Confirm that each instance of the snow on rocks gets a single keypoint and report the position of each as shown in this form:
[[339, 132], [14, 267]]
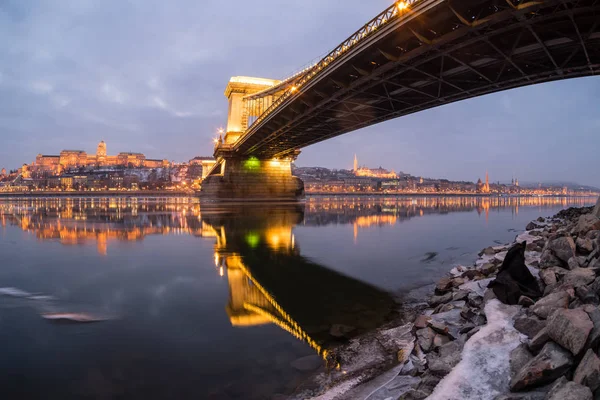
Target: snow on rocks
[[483, 372], [503, 350]]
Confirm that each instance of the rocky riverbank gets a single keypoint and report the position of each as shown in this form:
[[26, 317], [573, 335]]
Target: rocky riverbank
[[466, 344]]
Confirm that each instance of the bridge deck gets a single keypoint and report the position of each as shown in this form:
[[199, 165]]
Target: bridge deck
[[434, 53]]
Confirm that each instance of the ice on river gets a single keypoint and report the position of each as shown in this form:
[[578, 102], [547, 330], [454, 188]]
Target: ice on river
[[483, 372]]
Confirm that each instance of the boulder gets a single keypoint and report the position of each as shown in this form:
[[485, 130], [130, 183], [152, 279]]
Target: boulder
[[425, 339], [594, 336], [570, 329], [440, 340], [488, 295], [474, 300], [444, 285], [456, 282], [579, 277], [439, 327], [566, 390], [551, 363], [529, 326], [488, 251], [548, 276], [584, 245], [448, 356], [468, 313], [546, 305], [460, 295], [428, 383], [593, 235], [525, 301], [573, 263], [488, 268], [586, 223], [472, 275], [587, 295], [435, 301], [562, 247], [539, 340], [442, 308], [518, 358], [588, 371], [422, 321], [514, 278], [548, 259]]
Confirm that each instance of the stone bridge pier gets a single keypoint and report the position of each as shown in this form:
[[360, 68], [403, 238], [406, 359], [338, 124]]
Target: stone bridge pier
[[252, 179]]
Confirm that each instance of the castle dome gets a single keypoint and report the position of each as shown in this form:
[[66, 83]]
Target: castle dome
[[101, 151]]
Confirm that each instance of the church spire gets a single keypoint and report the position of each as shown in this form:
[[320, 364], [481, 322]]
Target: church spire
[[355, 163]]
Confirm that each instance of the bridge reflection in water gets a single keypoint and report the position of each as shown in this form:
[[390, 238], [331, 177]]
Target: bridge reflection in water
[[270, 282]]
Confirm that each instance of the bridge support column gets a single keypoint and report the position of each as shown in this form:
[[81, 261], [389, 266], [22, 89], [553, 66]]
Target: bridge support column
[[252, 179]]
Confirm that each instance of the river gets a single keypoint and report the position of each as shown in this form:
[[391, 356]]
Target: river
[[218, 302]]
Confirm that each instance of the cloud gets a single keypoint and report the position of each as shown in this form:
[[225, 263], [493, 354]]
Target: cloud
[[41, 87], [112, 93], [61, 101], [160, 103], [121, 126]]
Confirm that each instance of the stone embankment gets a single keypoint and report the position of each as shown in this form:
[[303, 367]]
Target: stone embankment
[[466, 344]]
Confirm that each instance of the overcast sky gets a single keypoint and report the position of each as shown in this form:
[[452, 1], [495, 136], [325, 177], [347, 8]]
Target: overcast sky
[[149, 76]]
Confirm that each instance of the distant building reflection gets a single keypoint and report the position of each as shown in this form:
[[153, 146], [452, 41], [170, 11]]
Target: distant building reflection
[[84, 221], [364, 212]]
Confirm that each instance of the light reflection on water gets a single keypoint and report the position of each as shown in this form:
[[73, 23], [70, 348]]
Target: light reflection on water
[[211, 300]]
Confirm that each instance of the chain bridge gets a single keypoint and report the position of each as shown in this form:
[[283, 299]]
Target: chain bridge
[[415, 55]]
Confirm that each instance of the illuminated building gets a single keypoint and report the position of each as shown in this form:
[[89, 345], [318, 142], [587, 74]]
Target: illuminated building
[[483, 187], [373, 173], [101, 153], [79, 158], [25, 172]]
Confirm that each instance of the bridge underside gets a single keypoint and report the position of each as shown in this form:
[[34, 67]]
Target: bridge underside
[[440, 52]]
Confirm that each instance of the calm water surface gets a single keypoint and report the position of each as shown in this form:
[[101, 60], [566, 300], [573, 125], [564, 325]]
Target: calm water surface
[[217, 302]]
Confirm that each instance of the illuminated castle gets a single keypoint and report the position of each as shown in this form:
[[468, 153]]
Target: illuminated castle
[[372, 173], [79, 158]]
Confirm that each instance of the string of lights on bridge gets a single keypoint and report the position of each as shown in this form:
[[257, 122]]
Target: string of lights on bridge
[[394, 11]]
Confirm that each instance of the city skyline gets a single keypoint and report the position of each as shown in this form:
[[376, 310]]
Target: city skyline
[[157, 85], [56, 164]]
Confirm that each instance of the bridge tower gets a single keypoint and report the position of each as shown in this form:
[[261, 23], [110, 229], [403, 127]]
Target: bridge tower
[[248, 177]]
